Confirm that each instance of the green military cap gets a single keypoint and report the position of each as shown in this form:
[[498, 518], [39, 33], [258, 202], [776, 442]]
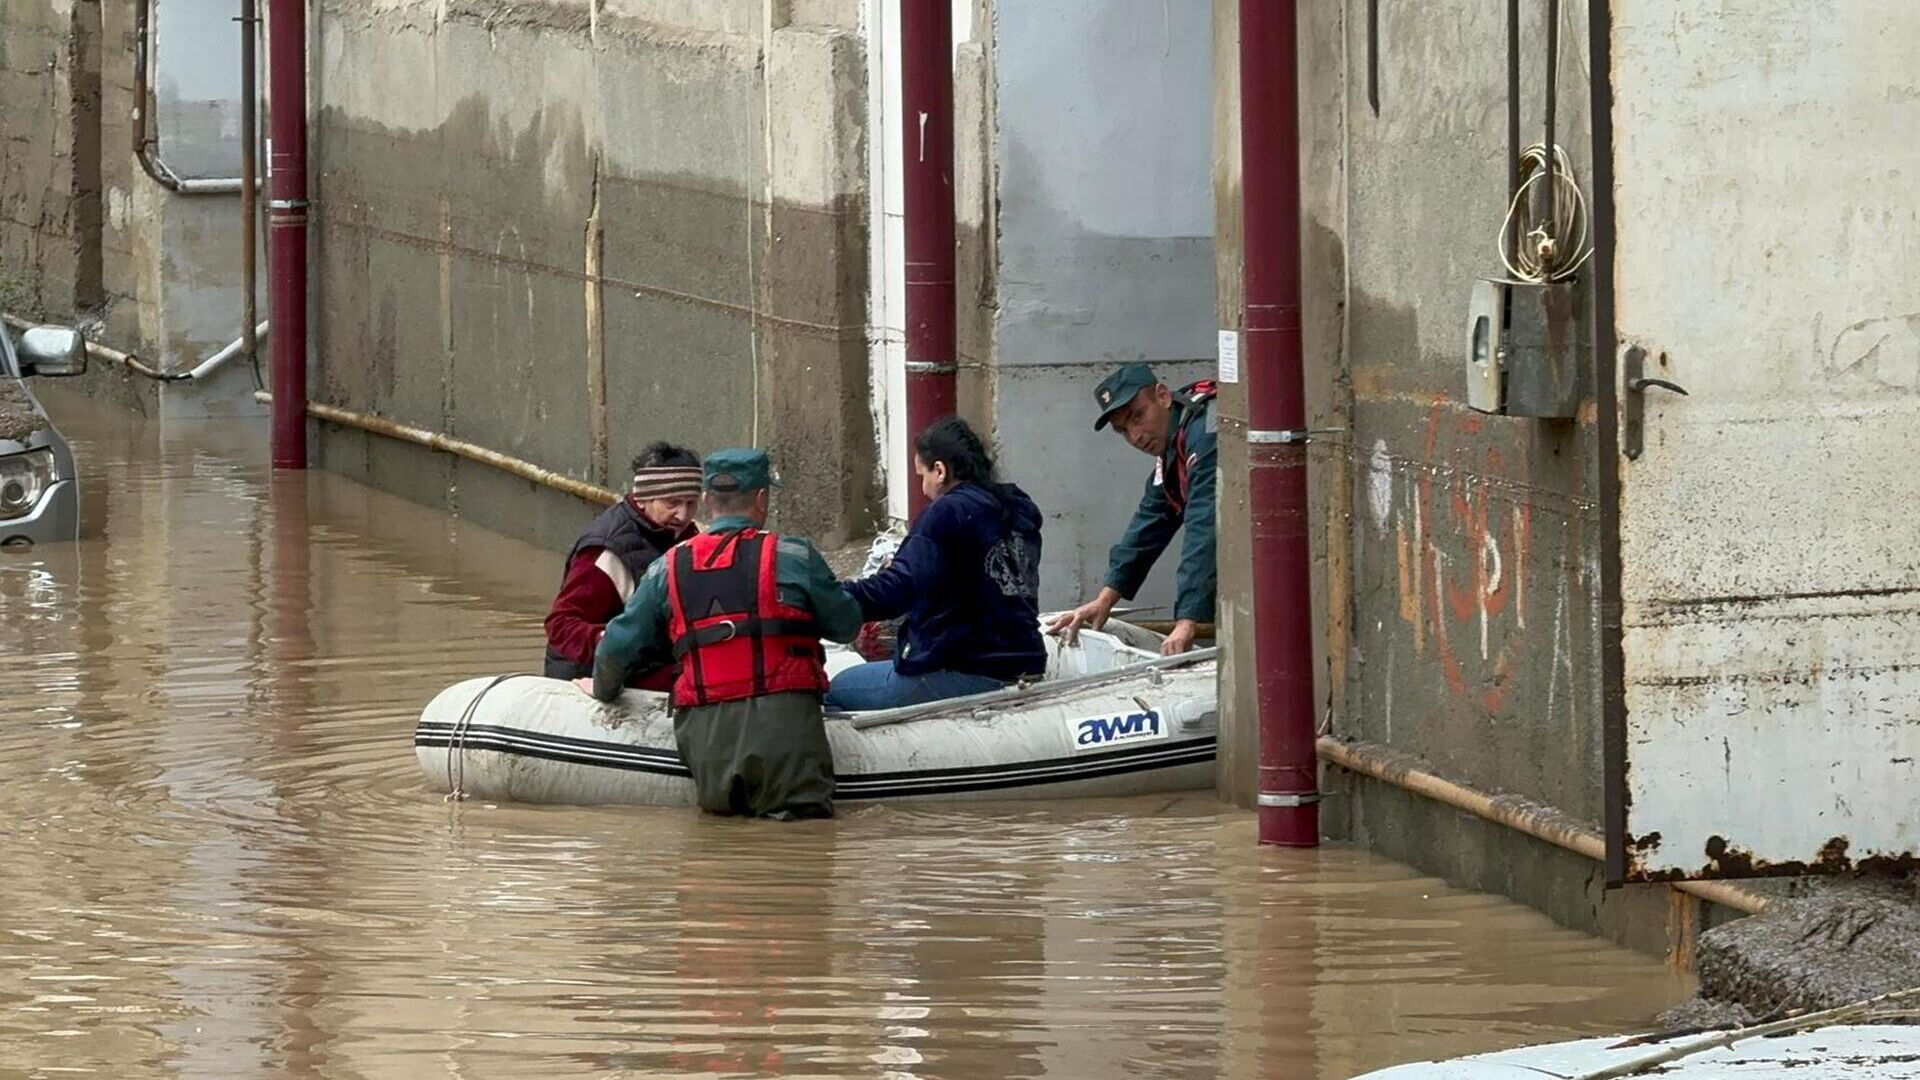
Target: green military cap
[[737, 469], [1117, 389]]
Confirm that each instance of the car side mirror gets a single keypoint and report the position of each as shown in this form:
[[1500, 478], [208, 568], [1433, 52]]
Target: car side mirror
[[53, 350]]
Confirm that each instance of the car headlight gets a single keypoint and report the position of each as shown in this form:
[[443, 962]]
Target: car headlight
[[23, 479]]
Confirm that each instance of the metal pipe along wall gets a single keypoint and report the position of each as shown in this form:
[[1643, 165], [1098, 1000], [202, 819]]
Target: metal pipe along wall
[[1289, 812], [287, 227], [926, 80]]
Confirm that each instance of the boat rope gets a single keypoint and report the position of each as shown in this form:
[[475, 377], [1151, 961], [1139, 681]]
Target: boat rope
[[457, 743]]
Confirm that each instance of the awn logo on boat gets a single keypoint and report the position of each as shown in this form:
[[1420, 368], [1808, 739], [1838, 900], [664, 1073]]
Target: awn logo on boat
[[1109, 730]]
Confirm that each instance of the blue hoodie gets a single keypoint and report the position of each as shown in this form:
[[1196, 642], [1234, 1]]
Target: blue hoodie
[[967, 578]]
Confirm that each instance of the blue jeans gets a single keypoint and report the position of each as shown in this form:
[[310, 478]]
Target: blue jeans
[[879, 686]]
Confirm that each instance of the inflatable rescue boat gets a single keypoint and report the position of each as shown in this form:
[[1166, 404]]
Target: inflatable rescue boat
[[1111, 717]]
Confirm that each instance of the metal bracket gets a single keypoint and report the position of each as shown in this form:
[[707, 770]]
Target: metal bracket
[[1273, 798], [1291, 435]]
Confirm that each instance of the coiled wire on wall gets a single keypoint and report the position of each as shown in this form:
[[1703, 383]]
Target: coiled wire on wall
[[1550, 246], [1545, 235]]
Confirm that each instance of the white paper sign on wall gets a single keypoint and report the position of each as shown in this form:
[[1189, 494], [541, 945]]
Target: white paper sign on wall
[[1229, 356]]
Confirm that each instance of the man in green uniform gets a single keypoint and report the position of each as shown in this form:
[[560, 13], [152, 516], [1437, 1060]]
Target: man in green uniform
[[744, 611], [1179, 430]]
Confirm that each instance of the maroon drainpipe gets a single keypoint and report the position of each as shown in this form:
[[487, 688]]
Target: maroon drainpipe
[[1289, 811], [287, 226], [926, 80]]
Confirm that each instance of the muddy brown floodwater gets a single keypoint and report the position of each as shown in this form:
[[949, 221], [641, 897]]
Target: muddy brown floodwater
[[219, 859]]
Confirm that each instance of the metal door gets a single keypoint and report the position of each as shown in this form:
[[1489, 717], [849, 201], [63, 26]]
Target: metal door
[[1767, 210]]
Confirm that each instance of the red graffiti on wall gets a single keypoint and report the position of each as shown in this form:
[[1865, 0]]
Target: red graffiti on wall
[[1463, 568]]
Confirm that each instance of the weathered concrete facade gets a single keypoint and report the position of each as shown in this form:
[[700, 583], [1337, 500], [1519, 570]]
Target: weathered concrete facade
[[1452, 557], [558, 231], [1085, 241], [1456, 552], [1459, 553], [50, 100], [1094, 248], [85, 233], [561, 231], [571, 231], [1472, 544]]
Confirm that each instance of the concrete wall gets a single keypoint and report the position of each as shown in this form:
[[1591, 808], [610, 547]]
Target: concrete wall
[[49, 154], [1473, 540], [127, 196], [564, 231], [1455, 596], [85, 234], [561, 232], [1102, 250], [1085, 240]]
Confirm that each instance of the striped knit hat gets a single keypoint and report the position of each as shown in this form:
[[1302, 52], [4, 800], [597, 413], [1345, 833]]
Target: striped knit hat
[[665, 483]]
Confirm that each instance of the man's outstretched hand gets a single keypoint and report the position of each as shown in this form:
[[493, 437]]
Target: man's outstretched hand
[[1181, 639], [1093, 615]]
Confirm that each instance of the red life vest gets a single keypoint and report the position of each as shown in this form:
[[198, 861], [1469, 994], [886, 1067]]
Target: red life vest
[[733, 637], [1174, 487]]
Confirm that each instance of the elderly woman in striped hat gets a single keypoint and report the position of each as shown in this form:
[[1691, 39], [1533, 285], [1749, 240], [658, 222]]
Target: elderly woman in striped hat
[[613, 553]]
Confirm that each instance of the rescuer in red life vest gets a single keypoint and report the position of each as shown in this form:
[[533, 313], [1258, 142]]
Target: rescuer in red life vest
[[744, 610]]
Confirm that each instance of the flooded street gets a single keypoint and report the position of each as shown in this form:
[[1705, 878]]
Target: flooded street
[[220, 859]]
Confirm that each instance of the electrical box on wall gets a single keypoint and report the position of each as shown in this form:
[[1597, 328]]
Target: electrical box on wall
[[1527, 347], [1486, 361]]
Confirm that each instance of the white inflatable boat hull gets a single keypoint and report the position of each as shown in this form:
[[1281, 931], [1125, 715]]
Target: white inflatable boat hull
[[1108, 722]]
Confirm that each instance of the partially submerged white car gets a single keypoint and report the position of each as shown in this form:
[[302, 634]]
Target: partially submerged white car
[[39, 491]]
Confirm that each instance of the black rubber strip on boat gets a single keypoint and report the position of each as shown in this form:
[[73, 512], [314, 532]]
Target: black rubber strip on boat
[[960, 779]]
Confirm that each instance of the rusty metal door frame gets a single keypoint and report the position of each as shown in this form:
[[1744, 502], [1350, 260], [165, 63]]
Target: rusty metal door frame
[[1613, 673]]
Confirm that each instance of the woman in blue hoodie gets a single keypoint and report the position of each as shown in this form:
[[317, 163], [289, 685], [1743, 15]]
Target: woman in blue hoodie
[[967, 578]]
